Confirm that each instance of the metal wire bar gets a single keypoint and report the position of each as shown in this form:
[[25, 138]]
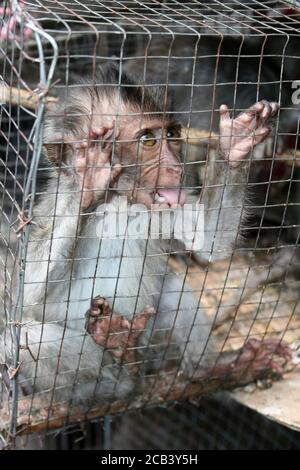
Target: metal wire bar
[[16, 314]]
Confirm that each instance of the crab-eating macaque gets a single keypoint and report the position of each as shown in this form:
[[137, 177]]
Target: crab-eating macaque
[[100, 310]]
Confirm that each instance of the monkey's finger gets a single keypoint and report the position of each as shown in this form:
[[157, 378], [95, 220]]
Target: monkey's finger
[[118, 353], [266, 111], [224, 113], [261, 133], [275, 107], [99, 136], [251, 141], [82, 145], [269, 110], [81, 154], [247, 117], [111, 129], [140, 321], [96, 132], [107, 140], [116, 131], [262, 115], [125, 324], [115, 171], [100, 306], [99, 338], [109, 135], [80, 163], [148, 311]]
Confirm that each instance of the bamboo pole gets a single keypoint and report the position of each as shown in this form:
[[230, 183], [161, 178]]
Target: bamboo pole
[[25, 98]]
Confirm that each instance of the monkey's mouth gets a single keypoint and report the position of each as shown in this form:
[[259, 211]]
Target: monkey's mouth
[[170, 196]]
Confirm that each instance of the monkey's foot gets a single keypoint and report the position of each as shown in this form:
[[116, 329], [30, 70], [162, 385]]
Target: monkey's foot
[[257, 359], [115, 332]]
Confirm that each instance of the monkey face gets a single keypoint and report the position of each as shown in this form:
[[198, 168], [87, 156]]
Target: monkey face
[[134, 154], [151, 167]]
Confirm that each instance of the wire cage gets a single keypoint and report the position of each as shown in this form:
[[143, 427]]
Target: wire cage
[[96, 98]]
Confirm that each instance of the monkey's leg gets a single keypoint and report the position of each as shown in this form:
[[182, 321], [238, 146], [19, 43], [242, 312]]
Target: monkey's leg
[[257, 359], [275, 269], [65, 365], [190, 328], [114, 331], [58, 216]]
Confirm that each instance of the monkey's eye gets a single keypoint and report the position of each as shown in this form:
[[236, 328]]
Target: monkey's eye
[[174, 134], [148, 138]]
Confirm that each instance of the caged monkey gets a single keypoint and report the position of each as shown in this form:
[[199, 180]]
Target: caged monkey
[[100, 313]]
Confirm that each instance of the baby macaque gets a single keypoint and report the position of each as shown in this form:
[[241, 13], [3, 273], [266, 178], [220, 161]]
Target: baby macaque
[[100, 311]]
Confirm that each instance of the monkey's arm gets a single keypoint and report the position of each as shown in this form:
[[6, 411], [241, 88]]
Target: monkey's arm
[[225, 185], [82, 181], [223, 198], [52, 241]]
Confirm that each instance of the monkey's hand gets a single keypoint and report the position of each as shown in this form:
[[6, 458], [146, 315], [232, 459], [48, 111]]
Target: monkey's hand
[[115, 332], [239, 136], [93, 164]]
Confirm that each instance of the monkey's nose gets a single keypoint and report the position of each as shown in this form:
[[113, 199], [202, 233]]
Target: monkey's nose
[[171, 196]]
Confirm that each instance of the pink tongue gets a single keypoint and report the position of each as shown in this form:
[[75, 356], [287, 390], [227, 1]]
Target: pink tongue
[[173, 196]]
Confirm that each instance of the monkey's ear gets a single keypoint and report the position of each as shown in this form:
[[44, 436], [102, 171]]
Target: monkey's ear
[[59, 151], [60, 154]]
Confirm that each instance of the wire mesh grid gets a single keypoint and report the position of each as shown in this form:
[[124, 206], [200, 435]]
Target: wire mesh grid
[[216, 423], [140, 85]]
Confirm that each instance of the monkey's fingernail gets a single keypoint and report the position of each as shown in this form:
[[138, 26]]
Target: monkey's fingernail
[[117, 166], [223, 108], [81, 145]]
